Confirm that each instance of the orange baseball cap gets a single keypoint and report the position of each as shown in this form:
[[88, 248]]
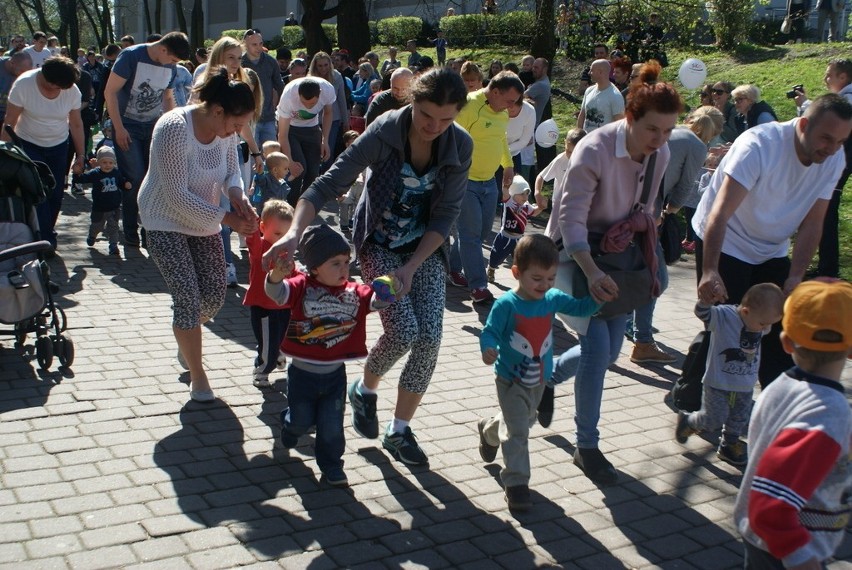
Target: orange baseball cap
[[820, 305]]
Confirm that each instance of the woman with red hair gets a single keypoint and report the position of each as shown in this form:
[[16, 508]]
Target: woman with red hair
[[602, 187]]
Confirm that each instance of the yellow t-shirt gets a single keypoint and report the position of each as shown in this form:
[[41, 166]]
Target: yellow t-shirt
[[487, 128]]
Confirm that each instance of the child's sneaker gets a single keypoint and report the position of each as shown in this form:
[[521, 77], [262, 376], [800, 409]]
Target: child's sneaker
[[403, 447], [113, 249], [336, 478], [363, 411], [281, 363], [261, 380], [487, 451], [490, 273], [518, 498], [231, 275], [682, 429], [735, 453], [90, 241]]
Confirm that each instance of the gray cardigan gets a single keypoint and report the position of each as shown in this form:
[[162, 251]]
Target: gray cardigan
[[382, 149]]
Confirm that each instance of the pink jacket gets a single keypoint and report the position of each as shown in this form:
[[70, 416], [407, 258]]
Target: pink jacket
[[601, 187]]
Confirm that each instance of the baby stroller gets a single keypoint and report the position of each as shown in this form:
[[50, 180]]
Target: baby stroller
[[26, 300]]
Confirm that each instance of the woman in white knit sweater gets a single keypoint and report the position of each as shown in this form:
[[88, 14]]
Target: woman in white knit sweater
[[192, 164]]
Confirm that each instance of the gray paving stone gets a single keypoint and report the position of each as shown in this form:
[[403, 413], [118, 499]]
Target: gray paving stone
[[111, 557]]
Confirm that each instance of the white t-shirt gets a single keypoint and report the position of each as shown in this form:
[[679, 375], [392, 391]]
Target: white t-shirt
[[43, 121], [290, 106], [521, 129], [601, 106], [781, 191], [556, 169], [38, 57]]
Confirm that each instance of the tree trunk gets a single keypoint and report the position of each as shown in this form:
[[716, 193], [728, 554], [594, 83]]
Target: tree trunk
[[25, 16], [158, 16], [68, 16], [146, 7], [314, 14], [106, 19], [544, 40], [353, 31], [181, 16], [249, 14], [95, 27], [197, 26]]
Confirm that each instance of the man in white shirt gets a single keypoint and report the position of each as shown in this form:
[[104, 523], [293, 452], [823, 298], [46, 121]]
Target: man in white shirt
[[38, 51], [602, 103], [775, 181]]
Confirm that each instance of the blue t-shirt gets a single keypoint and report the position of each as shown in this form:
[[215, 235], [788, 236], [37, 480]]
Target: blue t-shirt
[[106, 188], [734, 355], [404, 222], [140, 100], [522, 333]]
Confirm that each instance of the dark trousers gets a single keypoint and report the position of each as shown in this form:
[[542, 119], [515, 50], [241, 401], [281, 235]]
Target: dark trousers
[[269, 327], [48, 211], [316, 400], [305, 147], [133, 164], [829, 244], [738, 276]]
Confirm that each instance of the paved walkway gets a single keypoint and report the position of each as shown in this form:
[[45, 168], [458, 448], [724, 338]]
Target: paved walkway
[[108, 465]]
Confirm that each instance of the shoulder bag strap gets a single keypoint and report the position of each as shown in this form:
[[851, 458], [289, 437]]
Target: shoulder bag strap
[[646, 186]]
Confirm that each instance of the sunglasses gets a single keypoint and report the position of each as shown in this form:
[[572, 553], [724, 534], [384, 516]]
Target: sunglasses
[[250, 32], [719, 91]]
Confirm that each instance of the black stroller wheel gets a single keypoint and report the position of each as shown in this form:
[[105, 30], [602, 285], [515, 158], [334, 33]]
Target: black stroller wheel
[[63, 348], [44, 352]]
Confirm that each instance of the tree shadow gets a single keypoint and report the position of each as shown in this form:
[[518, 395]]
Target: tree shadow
[[650, 520], [274, 504]]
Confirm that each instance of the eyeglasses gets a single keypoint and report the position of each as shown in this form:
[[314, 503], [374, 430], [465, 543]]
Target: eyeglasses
[[250, 32], [738, 99], [719, 91]]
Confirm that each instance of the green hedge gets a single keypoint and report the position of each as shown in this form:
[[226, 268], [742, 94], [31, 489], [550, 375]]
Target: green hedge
[[293, 36], [398, 30], [509, 29], [236, 34]]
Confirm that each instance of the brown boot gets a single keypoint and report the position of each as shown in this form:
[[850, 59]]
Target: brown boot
[[649, 352]]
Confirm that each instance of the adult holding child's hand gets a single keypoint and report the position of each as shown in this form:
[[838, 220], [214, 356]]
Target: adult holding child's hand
[[193, 163], [419, 161]]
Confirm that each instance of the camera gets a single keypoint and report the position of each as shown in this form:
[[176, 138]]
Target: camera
[[796, 91]]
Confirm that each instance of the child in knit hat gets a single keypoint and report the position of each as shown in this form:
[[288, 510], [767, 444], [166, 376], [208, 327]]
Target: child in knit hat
[[328, 326], [793, 505], [107, 184], [516, 210]]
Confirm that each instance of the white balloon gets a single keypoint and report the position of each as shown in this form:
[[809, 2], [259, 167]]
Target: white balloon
[[692, 73], [547, 133]]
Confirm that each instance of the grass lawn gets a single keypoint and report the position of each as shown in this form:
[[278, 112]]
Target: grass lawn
[[772, 69]]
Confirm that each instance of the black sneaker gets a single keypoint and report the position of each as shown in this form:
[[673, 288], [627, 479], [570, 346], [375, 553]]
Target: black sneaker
[[735, 453], [113, 249], [363, 411], [545, 407], [683, 430], [595, 466], [403, 447], [518, 498], [336, 478], [487, 451]]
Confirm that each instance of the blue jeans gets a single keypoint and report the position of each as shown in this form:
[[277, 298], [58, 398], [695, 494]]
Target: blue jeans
[[265, 131], [643, 317], [56, 159], [588, 361], [478, 209], [316, 400], [133, 164]]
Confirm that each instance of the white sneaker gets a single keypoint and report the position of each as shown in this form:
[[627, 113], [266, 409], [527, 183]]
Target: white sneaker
[[261, 380], [243, 244], [231, 275], [281, 363]]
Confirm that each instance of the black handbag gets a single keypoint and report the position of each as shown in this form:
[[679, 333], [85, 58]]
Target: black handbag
[[626, 268], [670, 238]]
